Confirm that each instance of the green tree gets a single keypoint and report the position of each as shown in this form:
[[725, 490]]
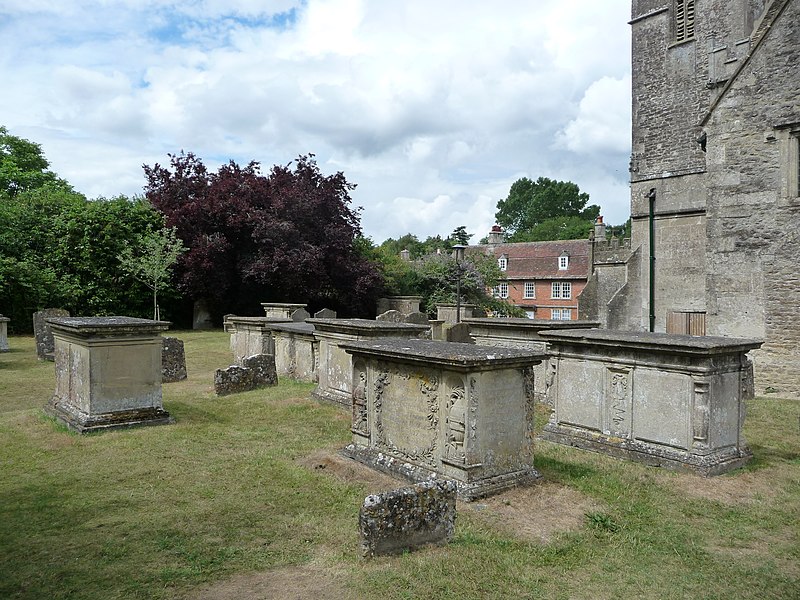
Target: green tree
[[530, 204], [23, 165], [558, 228], [150, 260], [460, 236]]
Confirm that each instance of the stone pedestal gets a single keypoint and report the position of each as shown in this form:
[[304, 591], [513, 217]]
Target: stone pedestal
[[448, 312], [461, 412], [335, 365], [522, 333], [252, 335], [108, 372], [404, 304], [4, 333], [666, 400], [296, 351], [281, 310]]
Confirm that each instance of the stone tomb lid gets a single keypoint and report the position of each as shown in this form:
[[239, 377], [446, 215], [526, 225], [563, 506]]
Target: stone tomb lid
[[524, 323], [258, 321], [450, 354], [364, 326], [645, 340], [293, 327], [107, 325]]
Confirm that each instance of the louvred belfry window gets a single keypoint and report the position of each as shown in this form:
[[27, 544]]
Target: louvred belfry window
[[684, 20]]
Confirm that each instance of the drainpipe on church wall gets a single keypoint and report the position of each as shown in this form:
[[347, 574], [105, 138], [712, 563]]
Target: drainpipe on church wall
[[651, 196]]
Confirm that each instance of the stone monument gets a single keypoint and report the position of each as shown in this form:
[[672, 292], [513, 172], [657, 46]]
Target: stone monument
[[108, 372], [45, 345], [4, 333]]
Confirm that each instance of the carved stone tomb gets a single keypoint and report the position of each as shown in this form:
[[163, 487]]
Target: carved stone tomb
[[428, 409]]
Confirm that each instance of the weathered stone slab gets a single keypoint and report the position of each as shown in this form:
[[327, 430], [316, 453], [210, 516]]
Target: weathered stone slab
[[522, 333], [45, 345], [427, 409], [108, 372], [325, 313], [458, 332], [255, 372], [201, 315], [391, 316], [335, 365], [408, 518], [4, 333], [173, 360], [666, 400], [296, 351]]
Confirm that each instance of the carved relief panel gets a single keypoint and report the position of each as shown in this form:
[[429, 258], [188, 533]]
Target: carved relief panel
[[618, 395]]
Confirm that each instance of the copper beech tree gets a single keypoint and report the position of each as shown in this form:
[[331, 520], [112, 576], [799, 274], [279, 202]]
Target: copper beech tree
[[284, 237]]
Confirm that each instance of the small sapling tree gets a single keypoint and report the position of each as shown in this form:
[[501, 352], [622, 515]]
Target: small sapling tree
[[151, 258]]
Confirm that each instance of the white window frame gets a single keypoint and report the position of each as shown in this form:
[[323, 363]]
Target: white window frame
[[563, 263], [502, 262], [561, 290], [560, 314], [501, 291], [529, 290]]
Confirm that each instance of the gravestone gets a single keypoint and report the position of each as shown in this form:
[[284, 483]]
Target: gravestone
[[459, 333], [418, 318], [390, 316], [300, 315], [4, 333], [325, 313], [408, 518], [255, 372], [45, 346], [201, 318], [173, 360], [108, 372]]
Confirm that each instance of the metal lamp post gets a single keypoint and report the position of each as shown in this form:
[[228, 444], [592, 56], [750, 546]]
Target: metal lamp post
[[458, 250]]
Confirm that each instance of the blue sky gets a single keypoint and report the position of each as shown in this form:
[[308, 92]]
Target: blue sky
[[432, 108]]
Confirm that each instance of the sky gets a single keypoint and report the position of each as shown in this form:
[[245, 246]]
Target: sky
[[432, 108]]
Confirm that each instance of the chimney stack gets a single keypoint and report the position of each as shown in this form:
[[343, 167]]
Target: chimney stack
[[599, 229], [496, 235]]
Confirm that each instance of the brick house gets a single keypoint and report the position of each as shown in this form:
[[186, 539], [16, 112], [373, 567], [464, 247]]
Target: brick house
[[543, 278]]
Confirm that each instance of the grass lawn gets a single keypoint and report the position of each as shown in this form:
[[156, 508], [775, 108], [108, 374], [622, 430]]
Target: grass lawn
[[224, 495]]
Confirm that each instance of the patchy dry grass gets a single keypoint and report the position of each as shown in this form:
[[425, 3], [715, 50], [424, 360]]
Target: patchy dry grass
[[246, 497]]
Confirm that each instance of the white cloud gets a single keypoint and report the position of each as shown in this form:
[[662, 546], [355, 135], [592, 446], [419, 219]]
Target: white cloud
[[434, 109]]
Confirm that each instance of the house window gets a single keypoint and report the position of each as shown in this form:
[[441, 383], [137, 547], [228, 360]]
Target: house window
[[561, 290], [501, 291], [502, 262], [561, 314], [684, 20], [530, 290], [563, 262]]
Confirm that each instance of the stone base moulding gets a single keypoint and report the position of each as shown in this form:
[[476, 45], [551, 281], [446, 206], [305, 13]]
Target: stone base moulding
[[672, 401], [108, 373]]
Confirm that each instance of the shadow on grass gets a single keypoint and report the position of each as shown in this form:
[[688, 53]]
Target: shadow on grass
[[562, 472], [186, 413]]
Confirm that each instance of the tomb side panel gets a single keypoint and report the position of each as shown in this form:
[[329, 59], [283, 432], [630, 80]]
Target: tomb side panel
[[725, 409], [126, 376], [661, 401], [580, 393]]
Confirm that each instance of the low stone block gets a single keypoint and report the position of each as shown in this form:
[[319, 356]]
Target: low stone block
[[255, 372], [173, 360], [325, 313], [45, 344], [418, 318], [408, 518], [459, 333], [4, 333]]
